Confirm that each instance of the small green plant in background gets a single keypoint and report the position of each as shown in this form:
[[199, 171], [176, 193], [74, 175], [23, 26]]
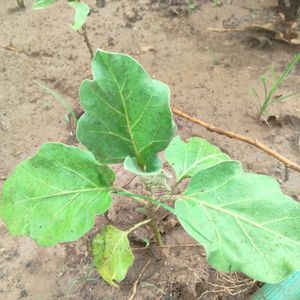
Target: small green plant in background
[[216, 3], [81, 10], [21, 4], [191, 5], [61, 100], [243, 220], [81, 13], [269, 97]]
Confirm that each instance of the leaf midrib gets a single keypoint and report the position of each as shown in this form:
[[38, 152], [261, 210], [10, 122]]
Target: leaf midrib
[[98, 189], [219, 209], [197, 162], [126, 113]]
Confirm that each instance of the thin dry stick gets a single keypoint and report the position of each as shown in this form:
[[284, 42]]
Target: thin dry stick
[[167, 246], [134, 289], [225, 29], [288, 163], [9, 48]]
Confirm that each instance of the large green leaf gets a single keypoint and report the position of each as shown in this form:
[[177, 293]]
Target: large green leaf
[[127, 112], [54, 196], [244, 222], [81, 12], [112, 254], [189, 158], [41, 4]]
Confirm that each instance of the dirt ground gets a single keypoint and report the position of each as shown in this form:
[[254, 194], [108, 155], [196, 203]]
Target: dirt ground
[[210, 75]]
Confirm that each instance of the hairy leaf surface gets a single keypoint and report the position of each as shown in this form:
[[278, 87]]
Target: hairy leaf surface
[[244, 222], [189, 158], [54, 196], [112, 254], [81, 12], [127, 112]]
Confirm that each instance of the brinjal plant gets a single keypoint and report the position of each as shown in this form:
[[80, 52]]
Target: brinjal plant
[[81, 10], [81, 13], [243, 220]]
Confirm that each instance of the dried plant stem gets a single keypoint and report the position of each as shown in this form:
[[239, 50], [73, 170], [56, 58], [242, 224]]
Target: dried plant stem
[[134, 289], [288, 163]]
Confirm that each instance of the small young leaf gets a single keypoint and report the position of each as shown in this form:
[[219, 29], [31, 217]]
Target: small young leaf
[[189, 158], [244, 222], [112, 254], [131, 165], [41, 4], [54, 196], [127, 112], [81, 12]]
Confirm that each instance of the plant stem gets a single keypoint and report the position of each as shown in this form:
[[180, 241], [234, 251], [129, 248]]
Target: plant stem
[[144, 197], [153, 225], [86, 40], [133, 228], [149, 210], [60, 98], [21, 4]]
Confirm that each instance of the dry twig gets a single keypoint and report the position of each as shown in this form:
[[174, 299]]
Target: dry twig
[[134, 289], [288, 163]]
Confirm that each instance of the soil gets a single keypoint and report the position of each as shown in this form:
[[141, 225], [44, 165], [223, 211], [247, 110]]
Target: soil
[[210, 75]]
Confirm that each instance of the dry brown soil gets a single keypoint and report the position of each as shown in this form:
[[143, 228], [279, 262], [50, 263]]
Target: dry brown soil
[[210, 75]]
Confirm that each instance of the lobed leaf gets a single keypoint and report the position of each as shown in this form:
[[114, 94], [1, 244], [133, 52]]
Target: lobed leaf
[[81, 13], [189, 158], [112, 254], [127, 112], [244, 222], [54, 196]]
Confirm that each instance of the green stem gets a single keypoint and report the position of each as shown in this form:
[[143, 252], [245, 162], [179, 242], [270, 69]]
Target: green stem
[[21, 4], [87, 41], [149, 210], [61, 99], [174, 187], [148, 198], [153, 225], [133, 228]]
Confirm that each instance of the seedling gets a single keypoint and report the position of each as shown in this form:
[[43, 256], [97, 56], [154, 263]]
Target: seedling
[[21, 4], [191, 5], [216, 3], [61, 100], [81, 13], [269, 94], [243, 220]]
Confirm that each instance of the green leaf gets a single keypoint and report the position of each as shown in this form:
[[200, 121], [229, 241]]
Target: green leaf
[[112, 254], [244, 222], [196, 155], [41, 4], [127, 112], [131, 165], [54, 196], [81, 12]]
